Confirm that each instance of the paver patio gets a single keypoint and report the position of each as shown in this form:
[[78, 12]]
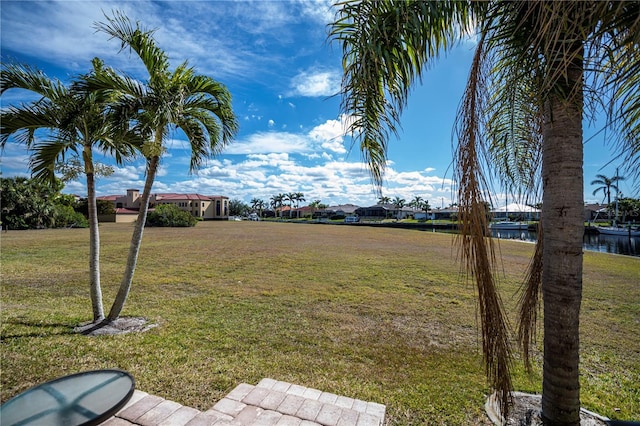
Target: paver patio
[[269, 403]]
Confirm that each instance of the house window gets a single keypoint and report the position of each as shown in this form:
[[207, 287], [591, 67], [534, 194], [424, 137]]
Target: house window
[[218, 208]]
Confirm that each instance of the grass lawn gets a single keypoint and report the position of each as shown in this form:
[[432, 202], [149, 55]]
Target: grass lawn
[[372, 313]]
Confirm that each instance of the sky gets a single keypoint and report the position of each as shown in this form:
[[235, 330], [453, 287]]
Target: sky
[[284, 76]]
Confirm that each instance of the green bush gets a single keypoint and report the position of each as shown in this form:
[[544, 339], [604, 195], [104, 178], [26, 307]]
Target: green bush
[[32, 204], [170, 215], [67, 217]]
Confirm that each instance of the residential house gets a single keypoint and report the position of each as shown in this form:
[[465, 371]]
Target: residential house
[[516, 211], [384, 211], [344, 209], [206, 207], [594, 212], [445, 214]]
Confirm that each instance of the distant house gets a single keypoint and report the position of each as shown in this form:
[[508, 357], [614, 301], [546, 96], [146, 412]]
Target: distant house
[[376, 212], [595, 212], [341, 210], [120, 216], [206, 207], [518, 211], [444, 214], [385, 211]]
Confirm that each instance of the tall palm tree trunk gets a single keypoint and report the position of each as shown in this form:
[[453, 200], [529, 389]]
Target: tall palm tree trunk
[[94, 239], [562, 221], [136, 241]]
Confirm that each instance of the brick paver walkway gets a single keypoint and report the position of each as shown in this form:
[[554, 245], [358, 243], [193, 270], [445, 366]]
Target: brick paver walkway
[[269, 403]]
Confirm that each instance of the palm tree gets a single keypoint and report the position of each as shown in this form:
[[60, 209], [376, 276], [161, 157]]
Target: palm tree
[[257, 204], [260, 206], [425, 206], [276, 202], [254, 203], [522, 111], [77, 121], [196, 104], [606, 185], [291, 198], [314, 205], [398, 203], [299, 198], [384, 200], [416, 202]]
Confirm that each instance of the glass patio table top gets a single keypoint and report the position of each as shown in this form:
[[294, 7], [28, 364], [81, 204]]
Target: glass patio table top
[[87, 398]]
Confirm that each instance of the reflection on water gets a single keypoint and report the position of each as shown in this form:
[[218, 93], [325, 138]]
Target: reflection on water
[[592, 242]]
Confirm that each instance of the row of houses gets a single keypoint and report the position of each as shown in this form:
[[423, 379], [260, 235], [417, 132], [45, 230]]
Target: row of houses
[[214, 207], [386, 211], [513, 211], [380, 211]]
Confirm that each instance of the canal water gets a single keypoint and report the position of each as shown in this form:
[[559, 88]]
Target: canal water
[[629, 246]]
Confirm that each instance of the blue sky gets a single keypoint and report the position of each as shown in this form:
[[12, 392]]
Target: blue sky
[[282, 73]]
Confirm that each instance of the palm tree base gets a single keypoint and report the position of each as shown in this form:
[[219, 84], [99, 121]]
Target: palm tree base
[[121, 325], [526, 411]]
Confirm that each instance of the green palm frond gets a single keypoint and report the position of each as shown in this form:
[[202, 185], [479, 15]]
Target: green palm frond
[[21, 76], [199, 138], [46, 155], [386, 47], [72, 117], [139, 40], [22, 123], [513, 118], [112, 84]]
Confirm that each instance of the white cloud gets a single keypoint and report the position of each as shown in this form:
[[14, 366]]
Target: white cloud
[[326, 136], [268, 142], [330, 134], [316, 83], [14, 160], [271, 123], [321, 10]]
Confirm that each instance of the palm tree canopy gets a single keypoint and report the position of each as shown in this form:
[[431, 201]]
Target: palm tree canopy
[[75, 119], [198, 105], [530, 56], [398, 202], [388, 44], [606, 184]]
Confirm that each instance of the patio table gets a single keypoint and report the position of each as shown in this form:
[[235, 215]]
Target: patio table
[[87, 398]]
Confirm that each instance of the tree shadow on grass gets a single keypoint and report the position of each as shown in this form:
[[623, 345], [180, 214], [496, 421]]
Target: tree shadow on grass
[[68, 329], [122, 325]]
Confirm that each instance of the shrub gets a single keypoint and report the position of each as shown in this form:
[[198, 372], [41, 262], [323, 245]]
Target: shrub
[[170, 215], [67, 217]]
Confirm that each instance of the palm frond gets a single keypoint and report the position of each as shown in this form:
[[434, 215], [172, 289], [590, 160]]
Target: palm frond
[[138, 39], [386, 46], [529, 301], [22, 76], [46, 155], [514, 120], [477, 251], [21, 123], [199, 139]]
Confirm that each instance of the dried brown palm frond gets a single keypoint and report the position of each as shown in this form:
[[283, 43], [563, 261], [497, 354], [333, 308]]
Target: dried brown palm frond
[[529, 302], [475, 245]]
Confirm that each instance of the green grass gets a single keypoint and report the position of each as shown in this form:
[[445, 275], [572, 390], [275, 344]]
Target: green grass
[[372, 313]]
